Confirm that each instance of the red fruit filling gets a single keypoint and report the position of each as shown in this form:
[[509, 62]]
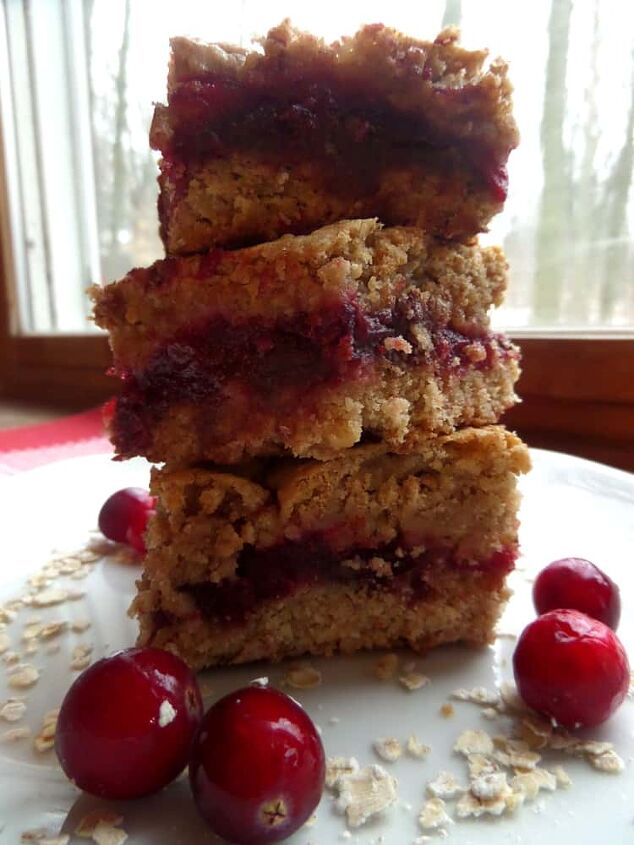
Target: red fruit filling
[[279, 571], [126, 725], [578, 584], [352, 136], [257, 766], [280, 363], [124, 517], [571, 668]]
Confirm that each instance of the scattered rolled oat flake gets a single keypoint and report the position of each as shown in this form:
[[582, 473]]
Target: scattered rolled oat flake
[[167, 713], [15, 734], [12, 710], [433, 815], [480, 764], [388, 748], [302, 677], [50, 597], [385, 666], [80, 625], [530, 783], [45, 740], [11, 657], [337, 767], [52, 629], [80, 657], [5, 642], [490, 786], [473, 742], [31, 631], [511, 699], [33, 835], [416, 748], [444, 785], [413, 680], [365, 794], [489, 713], [90, 821], [476, 695], [59, 839], [563, 778], [447, 710], [25, 676], [106, 834], [609, 762], [469, 805]]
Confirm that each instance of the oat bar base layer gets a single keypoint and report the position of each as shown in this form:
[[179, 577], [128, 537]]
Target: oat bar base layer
[[372, 550], [306, 344]]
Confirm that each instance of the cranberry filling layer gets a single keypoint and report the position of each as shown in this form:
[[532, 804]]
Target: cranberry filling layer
[[319, 120], [278, 364], [278, 572]]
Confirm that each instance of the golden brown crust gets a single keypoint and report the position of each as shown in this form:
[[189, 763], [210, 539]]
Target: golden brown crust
[[456, 493], [351, 263], [459, 487], [325, 620], [241, 196]]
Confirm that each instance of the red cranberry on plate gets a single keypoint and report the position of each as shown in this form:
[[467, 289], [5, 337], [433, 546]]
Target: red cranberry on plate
[[257, 766], [124, 517], [126, 725], [571, 668], [578, 584]]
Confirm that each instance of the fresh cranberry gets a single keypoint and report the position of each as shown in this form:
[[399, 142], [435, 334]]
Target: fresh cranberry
[[576, 583], [572, 668], [257, 766], [126, 725], [124, 517]]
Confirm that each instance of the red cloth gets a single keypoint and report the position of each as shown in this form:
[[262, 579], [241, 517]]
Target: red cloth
[[34, 445]]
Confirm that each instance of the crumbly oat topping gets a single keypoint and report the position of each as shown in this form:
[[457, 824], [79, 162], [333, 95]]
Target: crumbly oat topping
[[609, 762], [415, 748], [388, 748], [530, 783], [5, 642], [365, 793]]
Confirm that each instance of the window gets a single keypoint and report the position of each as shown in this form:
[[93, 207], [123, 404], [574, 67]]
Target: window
[[77, 82]]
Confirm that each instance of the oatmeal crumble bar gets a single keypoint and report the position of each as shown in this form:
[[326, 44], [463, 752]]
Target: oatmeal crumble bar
[[373, 550], [299, 133], [306, 344]]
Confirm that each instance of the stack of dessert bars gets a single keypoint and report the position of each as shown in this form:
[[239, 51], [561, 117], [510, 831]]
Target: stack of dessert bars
[[313, 362]]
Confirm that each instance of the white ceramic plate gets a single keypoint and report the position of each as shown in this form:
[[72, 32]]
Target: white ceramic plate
[[571, 507]]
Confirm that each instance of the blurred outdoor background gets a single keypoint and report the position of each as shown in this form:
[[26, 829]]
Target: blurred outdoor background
[[568, 227]]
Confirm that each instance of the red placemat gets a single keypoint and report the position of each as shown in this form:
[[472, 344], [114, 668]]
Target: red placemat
[[34, 445]]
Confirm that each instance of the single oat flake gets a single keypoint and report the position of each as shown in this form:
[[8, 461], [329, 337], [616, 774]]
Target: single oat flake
[[413, 680], [444, 785], [24, 676], [416, 748], [90, 821], [302, 677], [105, 834], [433, 815], [385, 667], [12, 710], [388, 748], [473, 742], [365, 794], [337, 767]]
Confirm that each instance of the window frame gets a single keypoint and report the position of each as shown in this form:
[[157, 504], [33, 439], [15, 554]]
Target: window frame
[[577, 388]]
